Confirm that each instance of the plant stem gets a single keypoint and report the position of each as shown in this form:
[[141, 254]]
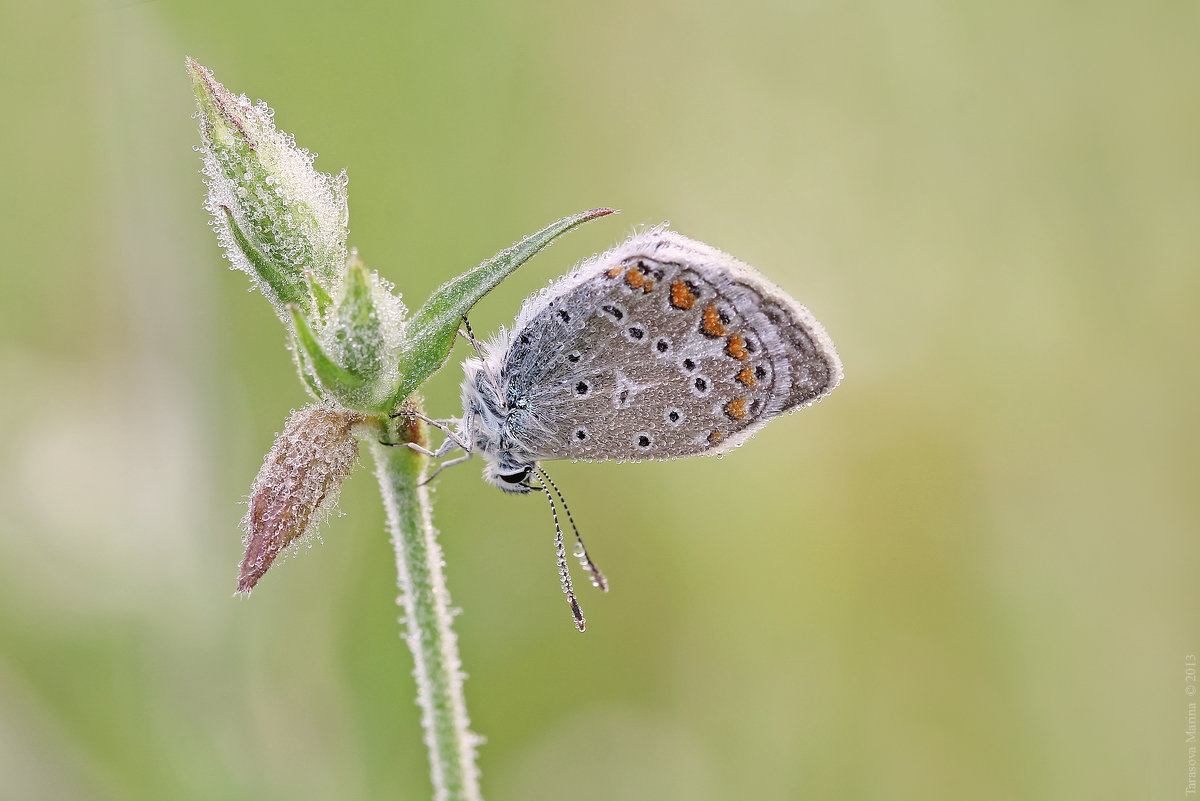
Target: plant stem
[[426, 603]]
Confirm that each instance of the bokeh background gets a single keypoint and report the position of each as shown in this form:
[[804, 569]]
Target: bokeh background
[[971, 572]]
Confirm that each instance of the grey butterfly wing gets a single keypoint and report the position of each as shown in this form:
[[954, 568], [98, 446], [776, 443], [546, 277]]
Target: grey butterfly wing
[[660, 348]]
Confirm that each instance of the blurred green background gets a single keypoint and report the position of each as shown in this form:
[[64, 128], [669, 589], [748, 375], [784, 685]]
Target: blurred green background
[[971, 572]]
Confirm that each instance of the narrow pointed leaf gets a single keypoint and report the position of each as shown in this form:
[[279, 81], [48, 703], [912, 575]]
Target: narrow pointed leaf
[[433, 328], [304, 368], [341, 383], [320, 297], [281, 289]]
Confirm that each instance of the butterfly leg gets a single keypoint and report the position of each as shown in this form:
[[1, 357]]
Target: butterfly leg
[[456, 439], [442, 450], [462, 438], [448, 463], [453, 438], [441, 425], [452, 441]]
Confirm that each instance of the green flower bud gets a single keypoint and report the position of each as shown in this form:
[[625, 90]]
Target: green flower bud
[[276, 217], [351, 353], [355, 328], [319, 370]]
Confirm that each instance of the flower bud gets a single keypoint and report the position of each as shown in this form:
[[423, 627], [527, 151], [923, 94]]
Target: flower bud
[[356, 328], [297, 485], [276, 217], [352, 356]]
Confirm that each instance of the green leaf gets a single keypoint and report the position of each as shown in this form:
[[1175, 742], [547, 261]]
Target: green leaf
[[304, 368], [432, 329], [320, 297], [342, 384], [282, 290]]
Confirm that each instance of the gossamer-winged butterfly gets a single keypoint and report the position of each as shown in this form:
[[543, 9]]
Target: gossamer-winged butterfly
[[659, 348]]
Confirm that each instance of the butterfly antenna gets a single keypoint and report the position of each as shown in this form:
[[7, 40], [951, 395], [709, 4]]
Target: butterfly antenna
[[471, 337], [479, 352], [564, 574], [585, 559]]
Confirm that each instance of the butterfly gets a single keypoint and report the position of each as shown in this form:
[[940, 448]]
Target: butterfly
[[663, 347]]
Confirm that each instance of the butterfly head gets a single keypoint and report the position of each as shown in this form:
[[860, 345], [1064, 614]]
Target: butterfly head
[[507, 466], [509, 478]]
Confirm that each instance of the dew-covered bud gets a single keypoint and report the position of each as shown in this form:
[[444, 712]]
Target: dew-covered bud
[[356, 329], [353, 355], [297, 485], [276, 217]]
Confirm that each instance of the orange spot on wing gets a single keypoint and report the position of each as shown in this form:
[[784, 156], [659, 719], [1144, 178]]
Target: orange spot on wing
[[736, 408], [737, 347], [648, 285], [681, 296], [746, 376], [614, 272], [716, 437], [712, 324], [634, 278]]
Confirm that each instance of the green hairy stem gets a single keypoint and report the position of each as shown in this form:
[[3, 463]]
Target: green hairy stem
[[427, 617]]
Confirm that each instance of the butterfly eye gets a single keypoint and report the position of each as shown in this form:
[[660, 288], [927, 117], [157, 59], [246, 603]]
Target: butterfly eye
[[515, 478]]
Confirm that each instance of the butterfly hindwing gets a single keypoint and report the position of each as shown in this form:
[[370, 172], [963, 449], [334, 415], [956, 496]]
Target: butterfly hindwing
[[662, 347]]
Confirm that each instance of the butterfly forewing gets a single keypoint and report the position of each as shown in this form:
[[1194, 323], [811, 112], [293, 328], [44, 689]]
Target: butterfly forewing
[[663, 347]]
